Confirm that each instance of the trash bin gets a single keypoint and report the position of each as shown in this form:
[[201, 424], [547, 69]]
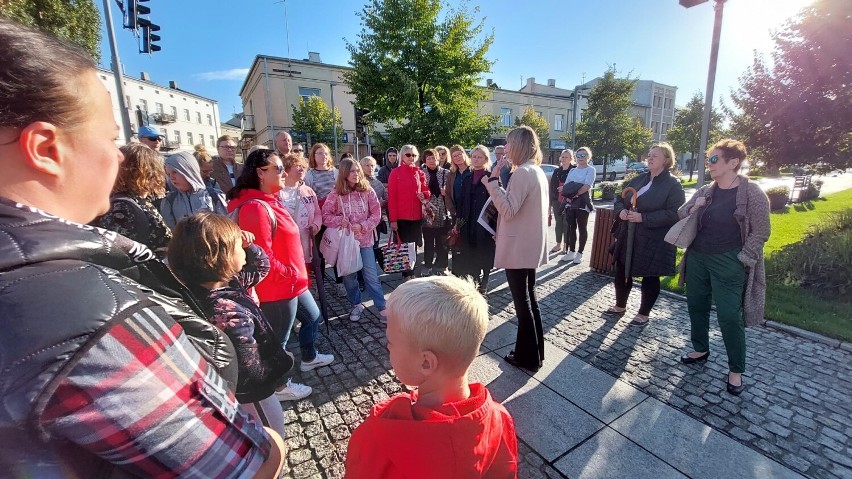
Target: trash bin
[[601, 260]]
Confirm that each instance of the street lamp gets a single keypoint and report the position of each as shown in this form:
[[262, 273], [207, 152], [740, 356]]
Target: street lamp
[[711, 79], [333, 121]]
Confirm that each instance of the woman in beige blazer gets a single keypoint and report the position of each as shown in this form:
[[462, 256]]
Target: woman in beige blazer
[[521, 239]]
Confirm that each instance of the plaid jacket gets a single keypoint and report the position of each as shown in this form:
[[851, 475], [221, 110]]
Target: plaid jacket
[[95, 374]]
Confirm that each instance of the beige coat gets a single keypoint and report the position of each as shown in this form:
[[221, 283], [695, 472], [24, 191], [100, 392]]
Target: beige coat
[[221, 175], [752, 214], [522, 221]]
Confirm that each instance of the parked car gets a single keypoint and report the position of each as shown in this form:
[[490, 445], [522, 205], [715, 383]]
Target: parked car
[[637, 167], [614, 171], [548, 169]]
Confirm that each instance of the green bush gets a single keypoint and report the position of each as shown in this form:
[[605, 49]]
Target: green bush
[[782, 191], [822, 262]]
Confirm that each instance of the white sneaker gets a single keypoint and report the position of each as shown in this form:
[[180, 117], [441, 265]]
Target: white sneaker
[[569, 257], [383, 316], [355, 315], [578, 258], [293, 392], [319, 361], [341, 290]]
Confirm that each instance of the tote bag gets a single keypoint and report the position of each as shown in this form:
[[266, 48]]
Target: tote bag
[[682, 233], [398, 256]]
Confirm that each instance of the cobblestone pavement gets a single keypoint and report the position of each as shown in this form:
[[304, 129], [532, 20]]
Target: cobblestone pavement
[[795, 409]]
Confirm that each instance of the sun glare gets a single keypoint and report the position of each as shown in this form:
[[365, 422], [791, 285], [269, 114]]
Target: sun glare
[[750, 23]]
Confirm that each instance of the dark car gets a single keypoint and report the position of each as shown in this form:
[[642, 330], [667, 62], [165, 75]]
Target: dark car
[[637, 167]]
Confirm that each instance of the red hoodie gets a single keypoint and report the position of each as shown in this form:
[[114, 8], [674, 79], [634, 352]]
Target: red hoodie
[[403, 203], [287, 277], [473, 438]]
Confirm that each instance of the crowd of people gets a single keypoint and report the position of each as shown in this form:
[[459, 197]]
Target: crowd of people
[[182, 280]]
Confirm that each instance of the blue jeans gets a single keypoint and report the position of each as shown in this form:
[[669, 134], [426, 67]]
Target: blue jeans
[[282, 314], [370, 272]]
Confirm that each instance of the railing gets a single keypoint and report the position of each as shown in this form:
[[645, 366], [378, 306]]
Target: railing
[[163, 118], [168, 145], [248, 122]]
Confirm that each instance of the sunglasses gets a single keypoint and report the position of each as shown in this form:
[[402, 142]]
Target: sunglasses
[[713, 159], [298, 151], [280, 168], [580, 156], [154, 138], [411, 155]]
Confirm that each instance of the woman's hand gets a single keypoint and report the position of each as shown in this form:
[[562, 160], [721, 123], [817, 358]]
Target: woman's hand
[[634, 217], [623, 215], [248, 238], [394, 227], [344, 223], [485, 178], [699, 202], [421, 196], [356, 228], [313, 229], [501, 163]]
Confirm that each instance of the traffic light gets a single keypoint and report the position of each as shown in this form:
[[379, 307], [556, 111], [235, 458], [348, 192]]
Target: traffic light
[[148, 38], [132, 11]]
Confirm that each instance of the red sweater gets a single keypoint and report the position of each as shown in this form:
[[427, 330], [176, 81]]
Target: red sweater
[[287, 276], [474, 438], [403, 203]]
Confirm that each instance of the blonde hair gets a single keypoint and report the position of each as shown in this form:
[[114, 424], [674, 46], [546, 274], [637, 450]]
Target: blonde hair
[[293, 159], [443, 314], [368, 160], [201, 154], [142, 172], [405, 149], [443, 149], [341, 185], [312, 161], [668, 152], [453, 166], [484, 150], [524, 142]]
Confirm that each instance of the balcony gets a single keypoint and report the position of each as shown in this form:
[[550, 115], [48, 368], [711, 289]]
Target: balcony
[[248, 123], [168, 145], [163, 118]]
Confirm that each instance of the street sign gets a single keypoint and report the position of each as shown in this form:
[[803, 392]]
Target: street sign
[[346, 138]]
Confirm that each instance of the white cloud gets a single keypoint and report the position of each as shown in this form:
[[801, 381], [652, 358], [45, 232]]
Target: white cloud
[[232, 74]]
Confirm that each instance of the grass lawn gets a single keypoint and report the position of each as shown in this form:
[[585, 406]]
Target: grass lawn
[[792, 305]]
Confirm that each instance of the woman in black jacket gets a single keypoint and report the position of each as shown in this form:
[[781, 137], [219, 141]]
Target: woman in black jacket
[[557, 180], [659, 195], [477, 244]]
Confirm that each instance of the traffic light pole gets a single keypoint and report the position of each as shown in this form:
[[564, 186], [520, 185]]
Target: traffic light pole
[[718, 6], [117, 74]]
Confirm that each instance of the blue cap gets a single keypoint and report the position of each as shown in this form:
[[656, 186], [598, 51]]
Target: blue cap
[[148, 131]]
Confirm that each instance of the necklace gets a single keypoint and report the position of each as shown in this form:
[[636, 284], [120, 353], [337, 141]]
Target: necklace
[[731, 184]]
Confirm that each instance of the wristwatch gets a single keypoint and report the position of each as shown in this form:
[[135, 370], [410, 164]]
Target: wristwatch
[[493, 178]]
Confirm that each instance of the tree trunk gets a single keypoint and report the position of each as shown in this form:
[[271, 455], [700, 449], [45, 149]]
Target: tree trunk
[[691, 164]]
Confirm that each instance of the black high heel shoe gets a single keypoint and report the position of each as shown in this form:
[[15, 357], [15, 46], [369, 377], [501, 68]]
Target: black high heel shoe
[[736, 390], [510, 358], [687, 359]]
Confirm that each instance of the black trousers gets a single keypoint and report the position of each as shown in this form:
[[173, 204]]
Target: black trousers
[[576, 219], [650, 290], [434, 249], [529, 344]]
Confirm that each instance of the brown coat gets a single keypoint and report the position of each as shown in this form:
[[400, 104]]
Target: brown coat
[[752, 214], [220, 174], [522, 220]]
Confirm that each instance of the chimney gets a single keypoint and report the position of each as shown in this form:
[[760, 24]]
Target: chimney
[[551, 82], [531, 84], [314, 57], [173, 85], [488, 82], [145, 76]]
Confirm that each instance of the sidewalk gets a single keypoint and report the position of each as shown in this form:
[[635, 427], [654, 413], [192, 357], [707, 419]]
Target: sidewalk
[[612, 400]]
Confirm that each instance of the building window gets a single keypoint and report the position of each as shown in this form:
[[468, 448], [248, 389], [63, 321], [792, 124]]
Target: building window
[[189, 137], [506, 116], [557, 122], [144, 105], [177, 137], [174, 111], [127, 101], [210, 119], [656, 101], [654, 127], [166, 134], [198, 117], [158, 107], [186, 114], [201, 138], [212, 141], [307, 93]]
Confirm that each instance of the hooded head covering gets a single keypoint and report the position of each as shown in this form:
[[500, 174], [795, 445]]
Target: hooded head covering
[[186, 164]]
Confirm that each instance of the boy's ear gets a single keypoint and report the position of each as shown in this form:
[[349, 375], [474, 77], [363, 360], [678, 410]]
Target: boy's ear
[[428, 363]]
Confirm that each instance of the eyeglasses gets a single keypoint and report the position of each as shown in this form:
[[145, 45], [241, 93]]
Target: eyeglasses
[[713, 159], [153, 138], [298, 151], [280, 168], [411, 155], [228, 147], [580, 156]]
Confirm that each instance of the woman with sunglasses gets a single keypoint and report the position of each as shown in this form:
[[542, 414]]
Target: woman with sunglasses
[[577, 205], [724, 263], [408, 190], [658, 196], [254, 205], [459, 169], [522, 238]]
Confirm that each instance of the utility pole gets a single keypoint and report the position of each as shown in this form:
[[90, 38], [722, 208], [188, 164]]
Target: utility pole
[[117, 74], [333, 120]]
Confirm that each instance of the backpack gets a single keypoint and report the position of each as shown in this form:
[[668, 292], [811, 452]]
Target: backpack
[[235, 215]]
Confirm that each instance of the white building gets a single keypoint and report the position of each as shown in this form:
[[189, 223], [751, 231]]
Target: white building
[[184, 118]]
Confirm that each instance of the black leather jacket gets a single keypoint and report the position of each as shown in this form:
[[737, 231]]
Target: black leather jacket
[[60, 284]]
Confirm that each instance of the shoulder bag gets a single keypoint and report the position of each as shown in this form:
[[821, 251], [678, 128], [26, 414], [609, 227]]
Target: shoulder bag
[[682, 233]]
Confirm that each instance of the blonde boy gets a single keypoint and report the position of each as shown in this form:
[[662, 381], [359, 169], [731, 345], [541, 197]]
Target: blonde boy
[[446, 427]]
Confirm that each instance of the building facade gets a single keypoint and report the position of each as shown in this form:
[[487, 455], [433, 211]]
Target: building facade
[[184, 118]]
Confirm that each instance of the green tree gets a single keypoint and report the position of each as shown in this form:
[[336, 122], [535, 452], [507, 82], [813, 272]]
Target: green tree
[[75, 20], [607, 127], [685, 133], [313, 117], [532, 119], [798, 107], [417, 70]]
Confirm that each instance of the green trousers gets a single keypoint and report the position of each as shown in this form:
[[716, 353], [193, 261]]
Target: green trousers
[[721, 277]]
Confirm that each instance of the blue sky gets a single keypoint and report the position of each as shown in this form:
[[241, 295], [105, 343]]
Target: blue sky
[[207, 46]]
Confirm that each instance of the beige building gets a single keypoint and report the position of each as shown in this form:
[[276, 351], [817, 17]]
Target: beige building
[[274, 85]]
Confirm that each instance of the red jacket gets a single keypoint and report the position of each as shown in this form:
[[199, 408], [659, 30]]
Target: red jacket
[[287, 277], [474, 438], [403, 203]]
